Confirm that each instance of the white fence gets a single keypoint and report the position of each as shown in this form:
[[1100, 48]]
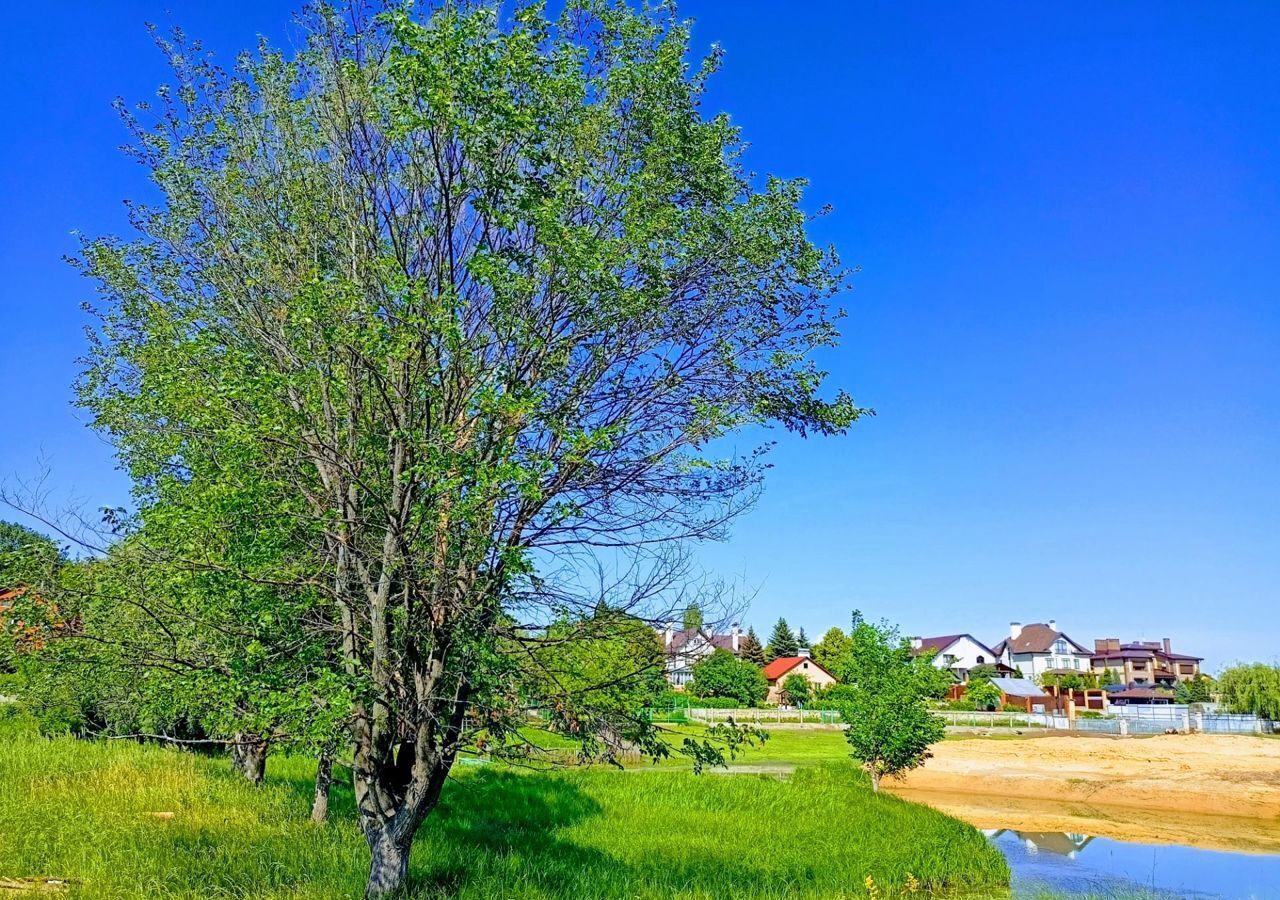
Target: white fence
[[766, 716], [1123, 720], [980, 719]]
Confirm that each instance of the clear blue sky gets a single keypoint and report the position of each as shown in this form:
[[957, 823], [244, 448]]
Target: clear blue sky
[[1068, 222]]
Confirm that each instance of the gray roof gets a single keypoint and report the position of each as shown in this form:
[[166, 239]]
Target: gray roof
[[1018, 687]]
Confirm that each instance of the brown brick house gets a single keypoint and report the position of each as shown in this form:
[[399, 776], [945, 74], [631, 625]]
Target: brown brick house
[[1144, 663]]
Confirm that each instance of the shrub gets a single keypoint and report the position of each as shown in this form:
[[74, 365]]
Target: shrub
[[983, 695], [724, 675], [714, 703], [796, 689]]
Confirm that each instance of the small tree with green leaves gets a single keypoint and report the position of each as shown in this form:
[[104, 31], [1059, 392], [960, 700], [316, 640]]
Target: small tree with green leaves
[[1109, 677], [889, 726], [796, 689], [982, 694], [782, 642], [724, 675]]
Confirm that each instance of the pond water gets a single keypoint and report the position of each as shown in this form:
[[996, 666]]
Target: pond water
[[1078, 849], [1072, 863]]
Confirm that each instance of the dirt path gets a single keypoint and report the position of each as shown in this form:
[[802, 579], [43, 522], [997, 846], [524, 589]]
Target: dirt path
[[1227, 775]]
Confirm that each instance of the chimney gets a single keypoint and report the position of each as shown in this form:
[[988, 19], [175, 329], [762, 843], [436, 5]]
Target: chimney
[[916, 643], [1015, 630], [668, 634], [1099, 645], [803, 652], [736, 633], [1168, 647], [1053, 624]]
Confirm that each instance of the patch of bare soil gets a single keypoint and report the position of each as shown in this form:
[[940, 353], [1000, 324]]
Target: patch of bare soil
[[1222, 775]]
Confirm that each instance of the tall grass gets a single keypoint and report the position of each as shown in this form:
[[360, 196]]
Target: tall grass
[[88, 812]]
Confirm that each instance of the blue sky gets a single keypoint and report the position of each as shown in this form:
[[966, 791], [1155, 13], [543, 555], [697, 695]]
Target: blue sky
[[1067, 219]]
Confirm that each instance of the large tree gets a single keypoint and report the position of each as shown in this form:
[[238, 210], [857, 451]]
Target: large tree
[[463, 300], [751, 650], [831, 648], [782, 641], [1251, 688]]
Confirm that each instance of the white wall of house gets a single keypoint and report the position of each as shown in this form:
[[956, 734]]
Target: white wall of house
[[964, 653], [1033, 664]]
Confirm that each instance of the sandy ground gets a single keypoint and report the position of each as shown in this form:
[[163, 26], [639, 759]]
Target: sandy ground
[[1211, 790]]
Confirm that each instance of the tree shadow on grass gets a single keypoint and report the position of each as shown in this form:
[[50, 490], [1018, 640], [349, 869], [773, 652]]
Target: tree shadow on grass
[[493, 827], [502, 826]]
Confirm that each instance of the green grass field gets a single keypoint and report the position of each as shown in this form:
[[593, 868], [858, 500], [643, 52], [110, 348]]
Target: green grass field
[[784, 748], [87, 812]]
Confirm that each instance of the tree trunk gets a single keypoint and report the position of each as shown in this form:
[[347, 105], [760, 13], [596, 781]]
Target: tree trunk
[[249, 757], [324, 780], [875, 779], [389, 866]]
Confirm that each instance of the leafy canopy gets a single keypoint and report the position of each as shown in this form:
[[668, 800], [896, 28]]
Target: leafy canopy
[[1251, 688], [724, 675]]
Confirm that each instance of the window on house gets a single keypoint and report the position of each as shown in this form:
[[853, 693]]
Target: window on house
[[1140, 666], [1077, 662], [1187, 669], [1060, 646], [806, 665], [981, 660]]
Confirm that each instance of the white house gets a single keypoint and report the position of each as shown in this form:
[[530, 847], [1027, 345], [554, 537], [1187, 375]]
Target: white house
[[1040, 649], [687, 647], [956, 652]]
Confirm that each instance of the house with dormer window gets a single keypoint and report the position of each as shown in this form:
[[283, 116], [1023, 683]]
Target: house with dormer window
[[958, 653], [1041, 649]]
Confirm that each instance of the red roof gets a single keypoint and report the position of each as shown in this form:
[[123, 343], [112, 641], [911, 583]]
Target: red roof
[[784, 664]]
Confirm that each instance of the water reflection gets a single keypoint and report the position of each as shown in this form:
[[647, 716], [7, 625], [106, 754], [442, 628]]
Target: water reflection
[[1144, 853], [1066, 844], [1080, 865]]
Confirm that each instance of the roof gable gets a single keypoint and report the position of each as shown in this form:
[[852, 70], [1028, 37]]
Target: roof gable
[[1038, 638], [942, 643], [691, 638], [784, 664]]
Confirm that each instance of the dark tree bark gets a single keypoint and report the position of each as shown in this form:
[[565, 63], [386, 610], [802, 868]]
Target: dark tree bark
[[324, 781], [389, 866], [249, 757]]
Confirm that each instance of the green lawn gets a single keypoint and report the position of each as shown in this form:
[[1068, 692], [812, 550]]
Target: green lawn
[[85, 811]]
